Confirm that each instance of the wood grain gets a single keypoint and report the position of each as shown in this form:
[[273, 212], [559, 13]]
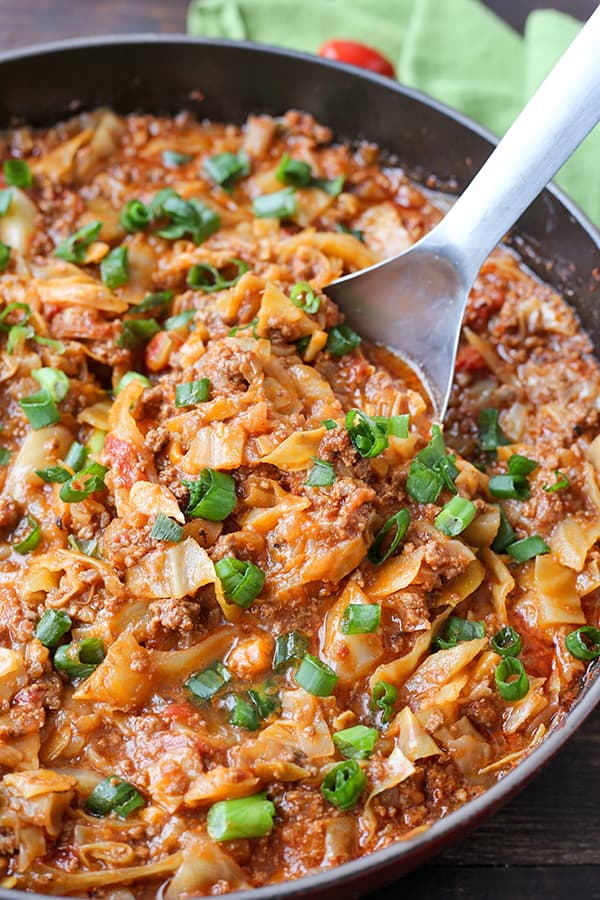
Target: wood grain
[[545, 845]]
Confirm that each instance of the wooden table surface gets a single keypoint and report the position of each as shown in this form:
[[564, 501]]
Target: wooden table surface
[[545, 845]]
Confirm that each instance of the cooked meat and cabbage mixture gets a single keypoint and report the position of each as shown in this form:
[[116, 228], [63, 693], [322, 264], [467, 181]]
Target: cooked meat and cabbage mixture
[[259, 613]]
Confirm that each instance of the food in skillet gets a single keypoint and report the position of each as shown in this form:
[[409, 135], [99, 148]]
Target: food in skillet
[[258, 614]]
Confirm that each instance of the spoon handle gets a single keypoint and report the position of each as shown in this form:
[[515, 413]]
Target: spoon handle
[[553, 124]]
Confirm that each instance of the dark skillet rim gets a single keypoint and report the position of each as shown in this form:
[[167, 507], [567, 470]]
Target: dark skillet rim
[[467, 815]]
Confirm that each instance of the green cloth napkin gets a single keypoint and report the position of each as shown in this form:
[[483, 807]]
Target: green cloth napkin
[[455, 50]]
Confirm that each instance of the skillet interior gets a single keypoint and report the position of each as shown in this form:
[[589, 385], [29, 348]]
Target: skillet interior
[[226, 81]]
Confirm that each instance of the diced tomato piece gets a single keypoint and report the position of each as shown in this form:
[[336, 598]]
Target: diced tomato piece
[[357, 54], [469, 360]]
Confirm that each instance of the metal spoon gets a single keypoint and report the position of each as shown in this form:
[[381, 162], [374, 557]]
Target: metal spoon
[[414, 303]]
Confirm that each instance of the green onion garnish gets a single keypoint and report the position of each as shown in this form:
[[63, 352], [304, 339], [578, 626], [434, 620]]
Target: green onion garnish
[[114, 795], [361, 618], [343, 785], [265, 702], [322, 474], [293, 171], [355, 232], [561, 483], [457, 630], [212, 496], [396, 425], [333, 186], [166, 529], [80, 658], [204, 685], [518, 685], [135, 216], [303, 296], [399, 522], [6, 196], [280, 205], [192, 392], [329, 424], [208, 278], [384, 696], [507, 642], [157, 204], [490, 434], [245, 327], [246, 817], [54, 382], [4, 456], [53, 474], [341, 339], [584, 643], [455, 516], [77, 456], [114, 268], [356, 742], [527, 548], [172, 159], [137, 332], [289, 648], [40, 409], [365, 434], [226, 168], [131, 376], [90, 480], [80, 545], [188, 217], [242, 713], [181, 320], [431, 470], [158, 300], [4, 256], [53, 625], [241, 580], [505, 534], [17, 173], [521, 465], [74, 248], [315, 676]]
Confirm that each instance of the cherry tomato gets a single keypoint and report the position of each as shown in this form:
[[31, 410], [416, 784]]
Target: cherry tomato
[[356, 54]]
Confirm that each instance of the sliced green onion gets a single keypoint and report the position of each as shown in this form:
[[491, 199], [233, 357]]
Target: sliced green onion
[[355, 232], [280, 205], [490, 434], [383, 696], [527, 548], [457, 630], [156, 205], [114, 268], [129, 377], [226, 168], [17, 173], [172, 159], [518, 685], [80, 658], [584, 643], [329, 424], [181, 320], [245, 327], [303, 296], [77, 456], [289, 648], [137, 332], [510, 487], [53, 474], [341, 339], [322, 474], [293, 171], [423, 484], [96, 441], [114, 795], [212, 496], [333, 186], [13, 308], [4, 256], [5, 201], [507, 641], [265, 702], [135, 216], [365, 434], [431, 470], [40, 409], [17, 336], [343, 784], [243, 713], [53, 382], [521, 465], [80, 545], [399, 522], [561, 483], [505, 534], [53, 625], [91, 480], [455, 516], [240, 268], [357, 742], [246, 817], [158, 300], [361, 618], [205, 277], [241, 580], [166, 529], [188, 217], [192, 392], [204, 685], [315, 676], [57, 346], [5, 455], [31, 541], [74, 248], [302, 344], [396, 425]]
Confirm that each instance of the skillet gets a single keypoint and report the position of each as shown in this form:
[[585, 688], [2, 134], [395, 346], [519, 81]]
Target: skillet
[[226, 81]]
